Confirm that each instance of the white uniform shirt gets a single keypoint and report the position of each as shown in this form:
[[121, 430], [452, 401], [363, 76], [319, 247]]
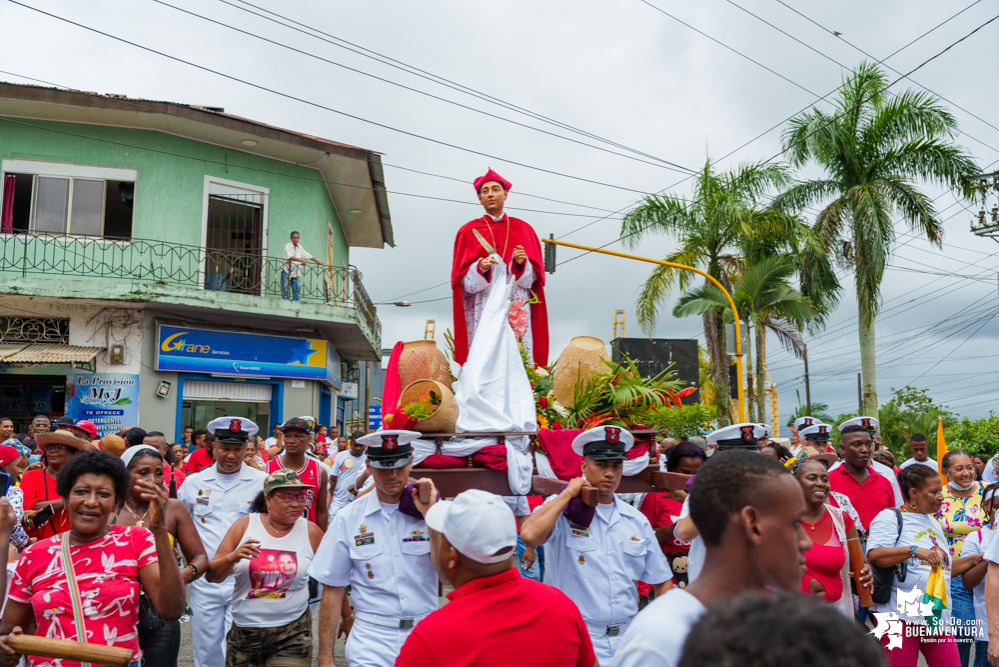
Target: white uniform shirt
[[385, 559], [215, 501], [981, 542], [597, 566], [346, 468], [929, 463], [658, 634], [294, 269]]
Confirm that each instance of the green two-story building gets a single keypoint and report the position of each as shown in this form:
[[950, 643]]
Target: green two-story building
[[142, 247]]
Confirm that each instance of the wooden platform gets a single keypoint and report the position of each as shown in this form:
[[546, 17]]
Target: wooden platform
[[452, 481]]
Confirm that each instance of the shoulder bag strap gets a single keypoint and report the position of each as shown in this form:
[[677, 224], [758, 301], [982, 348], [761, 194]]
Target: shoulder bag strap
[[74, 594]]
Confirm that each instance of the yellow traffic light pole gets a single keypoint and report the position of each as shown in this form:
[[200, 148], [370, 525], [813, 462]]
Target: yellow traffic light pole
[[731, 304]]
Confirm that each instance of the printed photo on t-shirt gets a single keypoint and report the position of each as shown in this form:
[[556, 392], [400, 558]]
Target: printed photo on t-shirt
[[272, 573]]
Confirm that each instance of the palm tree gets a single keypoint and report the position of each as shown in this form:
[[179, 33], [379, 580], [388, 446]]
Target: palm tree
[[706, 383], [714, 229], [873, 147], [818, 411], [766, 302]]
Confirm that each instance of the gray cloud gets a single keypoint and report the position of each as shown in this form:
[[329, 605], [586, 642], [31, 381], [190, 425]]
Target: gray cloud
[[620, 70]]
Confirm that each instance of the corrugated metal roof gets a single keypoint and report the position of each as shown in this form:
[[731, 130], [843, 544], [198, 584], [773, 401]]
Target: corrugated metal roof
[[51, 353], [10, 348]]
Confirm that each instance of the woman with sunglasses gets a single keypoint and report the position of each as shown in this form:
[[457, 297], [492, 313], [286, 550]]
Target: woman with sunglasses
[[269, 551], [39, 486], [971, 569]]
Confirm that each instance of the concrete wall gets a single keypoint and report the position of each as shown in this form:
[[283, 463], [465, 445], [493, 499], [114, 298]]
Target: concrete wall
[[90, 325], [169, 191]]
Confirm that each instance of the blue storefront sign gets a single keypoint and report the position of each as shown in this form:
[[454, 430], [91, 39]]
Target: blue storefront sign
[[374, 417], [186, 349], [110, 401]]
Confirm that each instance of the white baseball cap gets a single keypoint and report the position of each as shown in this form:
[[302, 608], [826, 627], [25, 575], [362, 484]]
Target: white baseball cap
[[478, 524]]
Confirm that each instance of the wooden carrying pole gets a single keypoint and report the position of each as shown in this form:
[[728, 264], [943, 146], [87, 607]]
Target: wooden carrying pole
[[713, 281], [65, 649], [857, 565]]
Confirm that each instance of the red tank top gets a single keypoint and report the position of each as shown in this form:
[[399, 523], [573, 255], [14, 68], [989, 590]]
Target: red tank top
[[309, 475]]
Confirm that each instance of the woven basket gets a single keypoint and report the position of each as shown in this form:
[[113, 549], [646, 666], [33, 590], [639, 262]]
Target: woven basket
[[446, 415], [580, 359], [423, 360]]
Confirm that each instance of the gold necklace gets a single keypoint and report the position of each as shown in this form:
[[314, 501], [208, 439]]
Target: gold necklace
[[139, 520], [276, 530], [506, 243]]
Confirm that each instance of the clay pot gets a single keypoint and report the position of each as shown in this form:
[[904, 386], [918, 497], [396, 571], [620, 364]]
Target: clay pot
[[580, 359], [423, 360]]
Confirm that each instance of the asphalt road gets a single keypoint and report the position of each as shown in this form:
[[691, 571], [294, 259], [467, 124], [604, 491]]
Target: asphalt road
[[186, 658]]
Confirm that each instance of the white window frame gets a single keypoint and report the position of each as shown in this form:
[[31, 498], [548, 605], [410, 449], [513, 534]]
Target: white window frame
[[245, 188], [41, 168]]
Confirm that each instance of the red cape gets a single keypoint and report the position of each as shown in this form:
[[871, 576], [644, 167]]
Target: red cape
[[468, 251]]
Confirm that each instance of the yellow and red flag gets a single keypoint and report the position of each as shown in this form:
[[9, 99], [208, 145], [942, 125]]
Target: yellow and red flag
[[941, 450]]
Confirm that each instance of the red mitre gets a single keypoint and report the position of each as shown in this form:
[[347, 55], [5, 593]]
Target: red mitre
[[493, 176]]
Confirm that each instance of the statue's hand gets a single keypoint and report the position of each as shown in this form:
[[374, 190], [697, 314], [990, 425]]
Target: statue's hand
[[486, 262], [519, 255]]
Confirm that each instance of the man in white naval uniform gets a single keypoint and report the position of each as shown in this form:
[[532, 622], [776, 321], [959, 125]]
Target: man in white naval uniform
[[216, 497], [595, 555], [380, 546]]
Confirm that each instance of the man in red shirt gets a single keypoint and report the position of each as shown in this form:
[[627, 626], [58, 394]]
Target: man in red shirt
[[495, 616], [296, 441], [158, 440], [868, 491], [200, 458]]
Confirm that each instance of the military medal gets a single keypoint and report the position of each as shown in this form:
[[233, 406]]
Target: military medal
[[582, 559]]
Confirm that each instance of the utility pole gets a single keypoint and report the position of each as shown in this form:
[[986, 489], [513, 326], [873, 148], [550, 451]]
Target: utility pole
[[986, 225], [860, 395], [808, 391]]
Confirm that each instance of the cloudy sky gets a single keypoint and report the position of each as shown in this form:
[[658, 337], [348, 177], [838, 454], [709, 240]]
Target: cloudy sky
[[621, 72]]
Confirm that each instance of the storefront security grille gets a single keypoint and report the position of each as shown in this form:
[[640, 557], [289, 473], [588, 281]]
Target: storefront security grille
[[197, 390]]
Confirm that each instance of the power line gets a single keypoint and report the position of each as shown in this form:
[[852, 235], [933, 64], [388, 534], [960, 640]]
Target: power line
[[897, 51], [322, 106], [881, 62], [665, 164], [819, 129], [423, 74]]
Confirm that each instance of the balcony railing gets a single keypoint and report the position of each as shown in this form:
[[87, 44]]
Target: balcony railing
[[158, 262]]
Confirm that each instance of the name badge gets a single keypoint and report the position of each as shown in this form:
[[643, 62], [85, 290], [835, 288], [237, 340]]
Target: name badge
[[364, 539], [203, 500], [579, 531]]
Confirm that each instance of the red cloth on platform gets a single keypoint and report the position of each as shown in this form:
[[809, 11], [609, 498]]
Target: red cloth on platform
[[391, 389], [493, 456], [565, 462], [468, 252]]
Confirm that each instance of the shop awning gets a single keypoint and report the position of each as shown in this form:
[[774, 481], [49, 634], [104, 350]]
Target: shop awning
[[47, 353]]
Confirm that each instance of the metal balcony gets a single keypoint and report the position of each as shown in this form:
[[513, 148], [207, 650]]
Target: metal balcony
[[158, 262]]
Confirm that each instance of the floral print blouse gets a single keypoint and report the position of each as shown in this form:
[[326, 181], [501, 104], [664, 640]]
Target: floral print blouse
[[960, 517]]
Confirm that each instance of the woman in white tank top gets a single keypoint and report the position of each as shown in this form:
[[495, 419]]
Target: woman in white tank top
[[268, 552]]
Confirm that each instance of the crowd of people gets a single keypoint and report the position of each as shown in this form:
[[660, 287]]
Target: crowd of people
[[114, 540]]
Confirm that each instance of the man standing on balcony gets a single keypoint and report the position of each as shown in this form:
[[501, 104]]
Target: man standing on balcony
[[295, 257], [487, 241]]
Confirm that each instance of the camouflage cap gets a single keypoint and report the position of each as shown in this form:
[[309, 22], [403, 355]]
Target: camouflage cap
[[284, 479]]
